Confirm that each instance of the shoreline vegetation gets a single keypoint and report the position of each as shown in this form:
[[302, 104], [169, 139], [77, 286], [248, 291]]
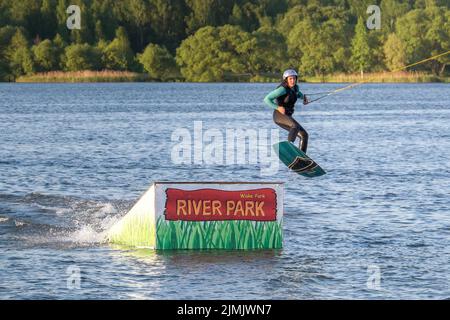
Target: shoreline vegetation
[[381, 77], [224, 40], [86, 76], [128, 76]]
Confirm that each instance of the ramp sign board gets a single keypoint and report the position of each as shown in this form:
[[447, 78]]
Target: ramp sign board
[[204, 215]]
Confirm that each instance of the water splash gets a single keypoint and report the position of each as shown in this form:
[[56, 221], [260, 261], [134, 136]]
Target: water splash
[[4, 219], [40, 220]]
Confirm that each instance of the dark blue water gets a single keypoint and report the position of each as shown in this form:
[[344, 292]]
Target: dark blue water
[[75, 157]]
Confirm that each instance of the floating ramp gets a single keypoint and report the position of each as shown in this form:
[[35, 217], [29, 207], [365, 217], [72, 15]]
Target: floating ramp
[[204, 215]]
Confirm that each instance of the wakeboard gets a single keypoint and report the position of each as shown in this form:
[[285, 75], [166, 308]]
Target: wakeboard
[[296, 160]]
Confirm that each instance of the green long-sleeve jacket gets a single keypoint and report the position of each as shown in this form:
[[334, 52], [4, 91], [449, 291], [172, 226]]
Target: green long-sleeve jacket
[[269, 99]]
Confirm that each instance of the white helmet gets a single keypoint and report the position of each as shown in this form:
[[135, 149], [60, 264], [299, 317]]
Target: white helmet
[[289, 73]]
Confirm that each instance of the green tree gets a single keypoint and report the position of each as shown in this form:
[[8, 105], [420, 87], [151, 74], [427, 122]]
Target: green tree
[[135, 16], [19, 55], [99, 34], [106, 22], [318, 47], [361, 54], [158, 62], [291, 18], [438, 34], [271, 8], [394, 52], [317, 38], [268, 52], [26, 14], [425, 32], [423, 4], [82, 57], [390, 11], [61, 19], [167, 22], [410, 29], [118, 54], [207, 13], [3, 69], [59, 46], [45, 56], [47, 22], [358, 8], [6, 34], [4, 13], [212, 53], [245, 16]]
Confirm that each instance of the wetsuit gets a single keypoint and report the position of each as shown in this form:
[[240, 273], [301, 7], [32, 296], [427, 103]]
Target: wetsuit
[[286, 97]]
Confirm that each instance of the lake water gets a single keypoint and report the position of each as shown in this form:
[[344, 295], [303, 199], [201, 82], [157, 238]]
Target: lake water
[[75, 157]]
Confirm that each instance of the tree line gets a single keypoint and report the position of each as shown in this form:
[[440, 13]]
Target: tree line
[[217, 40]]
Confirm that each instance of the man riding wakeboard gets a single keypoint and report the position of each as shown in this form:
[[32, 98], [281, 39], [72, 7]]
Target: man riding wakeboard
[[283, 100]]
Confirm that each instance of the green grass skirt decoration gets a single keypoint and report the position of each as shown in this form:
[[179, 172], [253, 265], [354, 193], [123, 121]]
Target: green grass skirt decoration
[[236, 234]]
